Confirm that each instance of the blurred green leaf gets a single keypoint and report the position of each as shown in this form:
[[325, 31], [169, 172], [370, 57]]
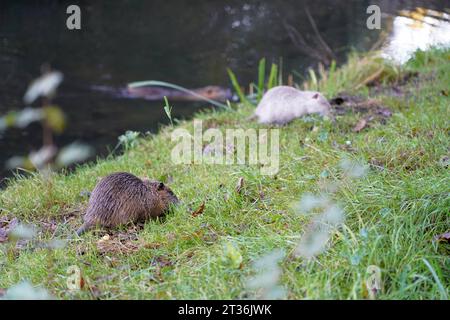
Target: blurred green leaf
[[27, 116], [129, 139], [272, 76], [168, 109], [20, 119], [43, 156], [313, 77], [261, 78], [73, 153], [55, 118], [10, 119], [237, 88], [43, 86], [19, 162], [232, 255]]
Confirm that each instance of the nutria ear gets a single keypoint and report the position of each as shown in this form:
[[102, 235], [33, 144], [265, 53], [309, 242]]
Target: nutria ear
[[315, 96], [160, 186]]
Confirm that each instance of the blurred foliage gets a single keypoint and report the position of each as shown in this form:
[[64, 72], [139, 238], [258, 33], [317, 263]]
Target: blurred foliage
[[129, 139], [55, 118], [53, 121]]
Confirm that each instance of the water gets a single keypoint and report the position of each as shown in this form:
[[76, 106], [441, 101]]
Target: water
[[174, 41], [417, 29]]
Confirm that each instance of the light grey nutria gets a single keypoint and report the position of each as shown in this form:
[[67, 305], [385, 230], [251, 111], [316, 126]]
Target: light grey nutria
[[121, 198], [283, 104]]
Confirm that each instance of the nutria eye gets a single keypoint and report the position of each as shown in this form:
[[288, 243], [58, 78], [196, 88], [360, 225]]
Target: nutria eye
[[160, 186]]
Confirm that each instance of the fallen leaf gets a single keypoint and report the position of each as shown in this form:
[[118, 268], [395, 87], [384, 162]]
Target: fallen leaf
[[362, 123], [199, 211], [445, 237], [444, 93], [240, 185]]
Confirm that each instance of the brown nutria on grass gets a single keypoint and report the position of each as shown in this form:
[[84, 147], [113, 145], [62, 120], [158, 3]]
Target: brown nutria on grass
[[121, 198], [283, 104]]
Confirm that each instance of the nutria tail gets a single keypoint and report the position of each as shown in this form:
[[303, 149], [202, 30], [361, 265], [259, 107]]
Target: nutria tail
[[85, 227]]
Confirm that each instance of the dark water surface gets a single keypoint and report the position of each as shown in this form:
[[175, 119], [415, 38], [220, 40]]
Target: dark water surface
[[189, 43]]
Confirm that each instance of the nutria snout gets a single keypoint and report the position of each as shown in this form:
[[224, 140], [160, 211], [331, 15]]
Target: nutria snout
[[121, 198]]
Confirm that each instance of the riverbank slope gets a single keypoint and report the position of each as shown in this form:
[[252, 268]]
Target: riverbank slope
[[393, 215]]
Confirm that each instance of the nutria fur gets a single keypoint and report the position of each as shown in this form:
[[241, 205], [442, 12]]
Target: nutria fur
[[121, 198], [283, 104]]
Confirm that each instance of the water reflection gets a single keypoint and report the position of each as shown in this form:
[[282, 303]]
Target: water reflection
[[418, 29]]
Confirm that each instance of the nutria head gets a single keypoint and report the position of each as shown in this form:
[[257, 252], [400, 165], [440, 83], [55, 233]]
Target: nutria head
[[215, 93], [165, 193]]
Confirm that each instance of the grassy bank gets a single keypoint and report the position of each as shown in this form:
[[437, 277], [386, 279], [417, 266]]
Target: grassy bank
[[391, 215]]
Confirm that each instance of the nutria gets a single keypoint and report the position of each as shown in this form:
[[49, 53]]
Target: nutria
[[121, 198], [283, 104], [153, 93], [157, 93]]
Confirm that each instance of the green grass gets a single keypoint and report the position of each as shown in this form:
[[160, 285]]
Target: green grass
[[392, 214]]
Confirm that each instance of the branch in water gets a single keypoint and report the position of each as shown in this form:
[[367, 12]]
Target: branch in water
[[319, 37], [302, 45]]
